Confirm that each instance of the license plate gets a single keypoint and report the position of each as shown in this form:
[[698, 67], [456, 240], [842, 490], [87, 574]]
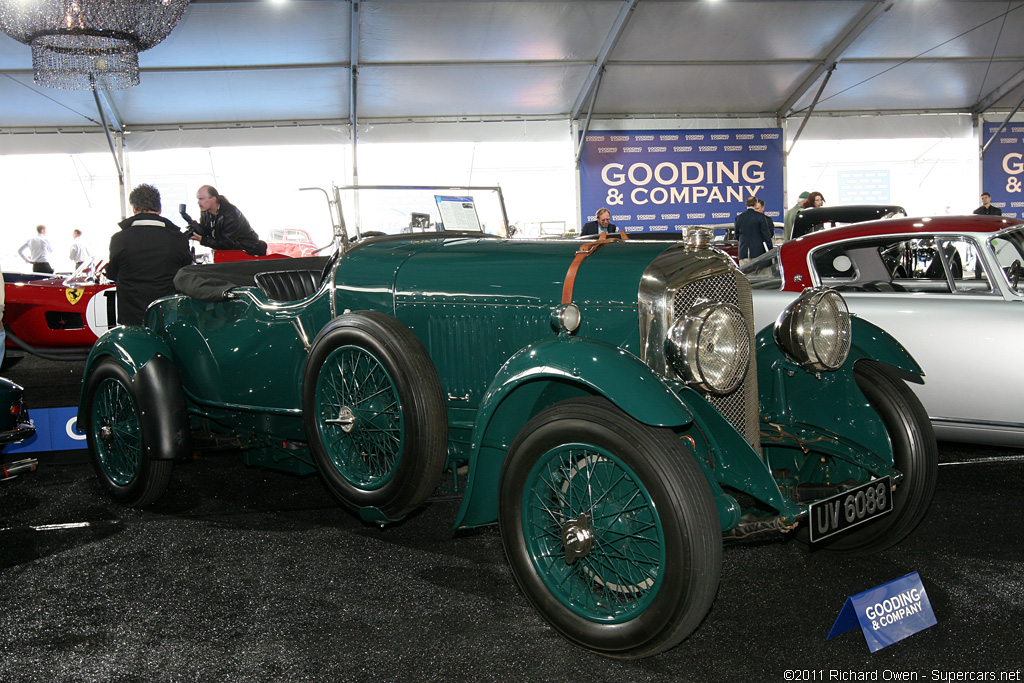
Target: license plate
[[850, 508]]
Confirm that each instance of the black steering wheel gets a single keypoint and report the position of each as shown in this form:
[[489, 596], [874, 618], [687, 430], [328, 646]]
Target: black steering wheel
[[1014, 273]]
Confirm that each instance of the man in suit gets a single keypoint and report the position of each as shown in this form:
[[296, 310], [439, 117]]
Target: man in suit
[[602, 224], [752, 231]]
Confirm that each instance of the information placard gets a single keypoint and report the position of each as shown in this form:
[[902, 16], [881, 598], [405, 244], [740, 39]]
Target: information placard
[[458, 213], [888, 613]]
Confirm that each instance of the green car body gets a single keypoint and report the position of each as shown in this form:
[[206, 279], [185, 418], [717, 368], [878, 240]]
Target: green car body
[[486, 385]]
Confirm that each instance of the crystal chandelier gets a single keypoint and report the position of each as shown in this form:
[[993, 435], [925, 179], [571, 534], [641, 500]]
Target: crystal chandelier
[[89, 44]]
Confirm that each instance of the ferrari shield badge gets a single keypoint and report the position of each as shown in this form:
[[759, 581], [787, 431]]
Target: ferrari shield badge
[[74, 295]]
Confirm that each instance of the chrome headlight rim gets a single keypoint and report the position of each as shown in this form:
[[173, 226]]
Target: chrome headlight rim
[[815, 331], [566, 318], [709, 347]]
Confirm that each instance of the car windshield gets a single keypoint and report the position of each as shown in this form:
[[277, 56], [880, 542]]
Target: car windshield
[[391, 210]]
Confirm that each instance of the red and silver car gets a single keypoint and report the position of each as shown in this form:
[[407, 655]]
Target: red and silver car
[[948, 287], [293, 242]]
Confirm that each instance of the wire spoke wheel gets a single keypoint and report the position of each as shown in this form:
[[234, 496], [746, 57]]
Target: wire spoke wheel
[[610, 528], [915, 455], [361, 423], [375, 415], [117, 439], [593, 533], [116, 421]]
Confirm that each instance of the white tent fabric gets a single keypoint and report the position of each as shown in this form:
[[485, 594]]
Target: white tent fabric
[[236, 72]]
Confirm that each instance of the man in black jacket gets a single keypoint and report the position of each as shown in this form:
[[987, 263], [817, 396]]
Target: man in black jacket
[[986, 208], [145, 256], [602, 224], [222, 225]]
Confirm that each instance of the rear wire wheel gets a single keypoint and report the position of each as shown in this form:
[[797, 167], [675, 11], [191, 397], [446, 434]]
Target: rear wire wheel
[[117, 439], [610, 529]]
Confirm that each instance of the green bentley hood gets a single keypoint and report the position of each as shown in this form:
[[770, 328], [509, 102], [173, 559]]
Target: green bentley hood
[[498, 271]]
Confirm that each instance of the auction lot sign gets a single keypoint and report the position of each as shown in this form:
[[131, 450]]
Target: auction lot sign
[[665, 180], [1002, 170]]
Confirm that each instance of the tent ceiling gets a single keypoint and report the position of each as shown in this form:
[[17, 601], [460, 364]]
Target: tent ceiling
[[299, 61]]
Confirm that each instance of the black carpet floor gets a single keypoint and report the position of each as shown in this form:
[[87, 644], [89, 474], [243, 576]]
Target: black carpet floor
[[239, 574]]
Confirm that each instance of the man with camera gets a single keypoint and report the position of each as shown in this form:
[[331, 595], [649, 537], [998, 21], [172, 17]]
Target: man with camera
[[221, 225]]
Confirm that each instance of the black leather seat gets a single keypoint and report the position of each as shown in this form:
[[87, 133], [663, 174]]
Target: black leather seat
[[288, 285]]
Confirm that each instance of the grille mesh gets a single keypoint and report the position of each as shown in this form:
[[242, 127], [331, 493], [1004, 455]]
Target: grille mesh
[[740, 407]]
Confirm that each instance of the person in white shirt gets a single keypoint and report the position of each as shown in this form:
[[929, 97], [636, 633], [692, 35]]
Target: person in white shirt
[[39, 251], [79, 249]]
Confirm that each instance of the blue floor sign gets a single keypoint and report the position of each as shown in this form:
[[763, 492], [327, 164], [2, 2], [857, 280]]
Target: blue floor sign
[[887, 613], [56, 430]]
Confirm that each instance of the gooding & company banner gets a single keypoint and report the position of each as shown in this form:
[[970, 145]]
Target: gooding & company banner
[[1002, 170], [665, 180]]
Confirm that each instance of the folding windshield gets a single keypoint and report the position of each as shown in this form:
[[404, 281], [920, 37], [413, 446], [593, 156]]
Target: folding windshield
[[371, 211]]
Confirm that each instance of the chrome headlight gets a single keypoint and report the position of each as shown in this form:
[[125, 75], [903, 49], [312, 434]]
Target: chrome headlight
[[709, 346], [815, 331]]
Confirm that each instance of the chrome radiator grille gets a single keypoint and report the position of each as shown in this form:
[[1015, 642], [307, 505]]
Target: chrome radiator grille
[[740, 407]]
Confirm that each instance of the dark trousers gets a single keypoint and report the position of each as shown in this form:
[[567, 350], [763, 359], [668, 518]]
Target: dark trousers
[[42, 267]]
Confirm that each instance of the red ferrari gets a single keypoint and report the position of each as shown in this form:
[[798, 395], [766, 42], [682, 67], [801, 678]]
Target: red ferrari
[[57, 317]]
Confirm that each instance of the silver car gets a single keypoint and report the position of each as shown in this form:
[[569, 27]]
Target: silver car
[[947, 287]]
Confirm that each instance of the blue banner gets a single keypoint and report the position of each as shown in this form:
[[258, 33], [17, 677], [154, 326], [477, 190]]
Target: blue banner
[[665, 180], [1002, 169], [56, 430]]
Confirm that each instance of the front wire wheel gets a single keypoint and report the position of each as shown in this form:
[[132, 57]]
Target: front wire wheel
[[610, 529], [577, 496], [116, 440]]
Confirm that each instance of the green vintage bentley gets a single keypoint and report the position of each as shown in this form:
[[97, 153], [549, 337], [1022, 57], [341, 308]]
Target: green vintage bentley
[[607, 403]]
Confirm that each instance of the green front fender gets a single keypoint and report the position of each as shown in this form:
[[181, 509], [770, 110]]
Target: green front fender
[[545, 373], [871, 341], [826, 413], [130, 345]]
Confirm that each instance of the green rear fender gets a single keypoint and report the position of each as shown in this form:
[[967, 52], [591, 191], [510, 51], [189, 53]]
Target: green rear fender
[[131, 345], [545, 373]]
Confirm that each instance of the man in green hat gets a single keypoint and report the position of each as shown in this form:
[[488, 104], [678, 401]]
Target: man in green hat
[[787, 233]]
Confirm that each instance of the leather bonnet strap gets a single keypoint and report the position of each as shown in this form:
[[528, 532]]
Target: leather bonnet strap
[[582, 253]]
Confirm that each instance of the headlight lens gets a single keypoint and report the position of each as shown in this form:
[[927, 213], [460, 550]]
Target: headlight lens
[[815, 330], [709, 346]]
